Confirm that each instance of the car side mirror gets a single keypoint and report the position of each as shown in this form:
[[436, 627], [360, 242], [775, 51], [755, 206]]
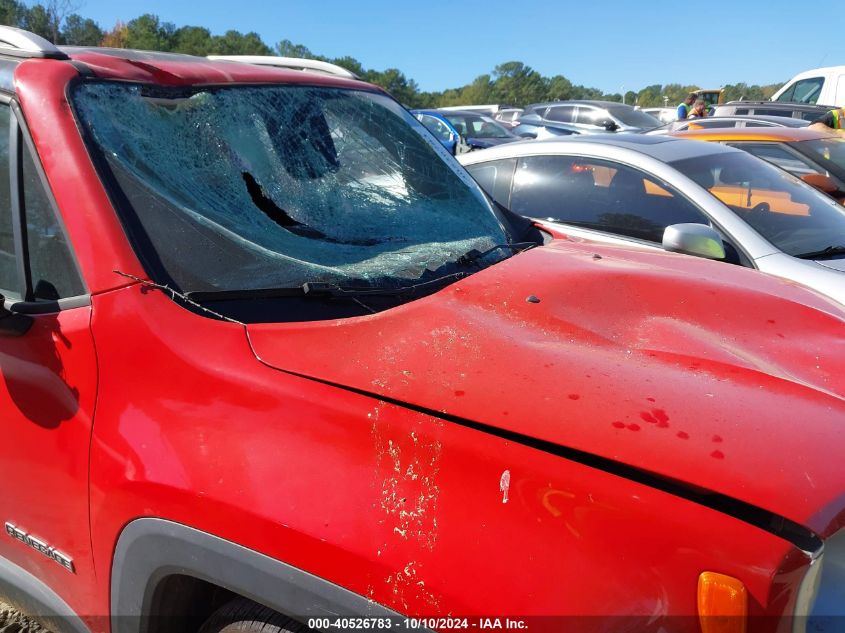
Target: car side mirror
[[821, 182], [693, 239], [608, 125], [13, 323]]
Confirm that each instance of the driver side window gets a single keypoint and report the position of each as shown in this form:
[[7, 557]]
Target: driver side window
[[601, 195]]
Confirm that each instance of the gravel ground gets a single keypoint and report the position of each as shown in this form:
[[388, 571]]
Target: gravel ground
[[13, 621]]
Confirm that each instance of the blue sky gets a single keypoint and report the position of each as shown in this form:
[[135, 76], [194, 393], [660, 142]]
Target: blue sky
[[606, 45]]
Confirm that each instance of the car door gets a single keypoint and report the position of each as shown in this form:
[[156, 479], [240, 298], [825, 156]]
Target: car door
[[48, 380], [603, 196]]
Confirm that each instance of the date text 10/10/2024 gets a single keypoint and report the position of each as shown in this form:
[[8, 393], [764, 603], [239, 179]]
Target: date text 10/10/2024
[[385, 623]]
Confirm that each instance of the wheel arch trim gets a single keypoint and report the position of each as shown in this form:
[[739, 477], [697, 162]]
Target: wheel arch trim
[[36, 599], [150, 549]]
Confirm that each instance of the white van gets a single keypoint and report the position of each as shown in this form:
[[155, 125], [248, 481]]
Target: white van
[[824, 86]]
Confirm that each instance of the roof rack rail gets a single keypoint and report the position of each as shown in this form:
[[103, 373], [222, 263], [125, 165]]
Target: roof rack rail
[[295, 63], [20, 43]]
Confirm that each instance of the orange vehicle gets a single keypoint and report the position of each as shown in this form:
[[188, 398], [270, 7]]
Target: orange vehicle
[[815, 156]]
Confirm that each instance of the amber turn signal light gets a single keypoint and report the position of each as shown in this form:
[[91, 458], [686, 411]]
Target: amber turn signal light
[[722, 603]]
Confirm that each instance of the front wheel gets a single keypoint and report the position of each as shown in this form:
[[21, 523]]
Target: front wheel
[[244, 616]]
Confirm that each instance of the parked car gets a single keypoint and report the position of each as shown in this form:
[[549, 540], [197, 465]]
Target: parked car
[[815, 156], [271, 361], [664, 115], [488, 110], [722, 122], [533, 126], [806, 111], [509, 117], [660, 192], [593, 115], [453, 127], [819, 85]]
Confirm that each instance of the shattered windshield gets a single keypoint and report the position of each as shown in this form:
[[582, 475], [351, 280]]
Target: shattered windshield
[[248, 187]]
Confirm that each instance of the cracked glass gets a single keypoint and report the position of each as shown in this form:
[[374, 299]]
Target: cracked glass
[[248, 187]]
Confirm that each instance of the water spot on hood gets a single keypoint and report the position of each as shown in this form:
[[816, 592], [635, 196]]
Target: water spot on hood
[[683, 435], [633, 427], [459, 392], [717, 438], [651, 399], [573, 396], [717, 455], [618, 425]]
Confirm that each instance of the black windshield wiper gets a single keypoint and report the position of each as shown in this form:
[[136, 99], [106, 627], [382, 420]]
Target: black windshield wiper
[[825, 253], [318, 290], [474, 255]]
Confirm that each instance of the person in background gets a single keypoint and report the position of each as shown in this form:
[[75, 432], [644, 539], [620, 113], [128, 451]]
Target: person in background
[[699, 109], [832, 120], [685, 106]]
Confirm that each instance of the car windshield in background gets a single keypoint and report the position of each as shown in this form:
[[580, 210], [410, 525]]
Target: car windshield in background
[[828, 152], [790, 214], [635, 118], [475, 126], [249, 187]]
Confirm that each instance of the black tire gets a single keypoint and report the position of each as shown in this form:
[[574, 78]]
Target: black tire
[[244, 616]]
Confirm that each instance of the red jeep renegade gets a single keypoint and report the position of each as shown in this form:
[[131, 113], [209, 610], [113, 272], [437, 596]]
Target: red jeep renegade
[[271, 360]]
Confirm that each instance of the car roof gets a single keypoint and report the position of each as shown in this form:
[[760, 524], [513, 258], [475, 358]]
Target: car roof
[[592, 102], [448, 113], [176, 69], [786, 105], [781, 134], [662, 148], [780, 120]]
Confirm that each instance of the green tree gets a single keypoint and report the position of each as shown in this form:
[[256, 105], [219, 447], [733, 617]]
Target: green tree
[[351, 64], [396, 83], [517, 84], [559, 89], [38, 20], [79, 31], [192, 40], [480, 91], [237, 43], [148, 33], [12, 12], [650, 96], [286, 48]]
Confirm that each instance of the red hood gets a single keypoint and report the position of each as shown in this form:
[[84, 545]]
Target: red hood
[[716, 376]]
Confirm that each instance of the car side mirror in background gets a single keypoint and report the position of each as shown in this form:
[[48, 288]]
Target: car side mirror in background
[[821, 182], [608, 125], [693, 239], [12, 323]]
